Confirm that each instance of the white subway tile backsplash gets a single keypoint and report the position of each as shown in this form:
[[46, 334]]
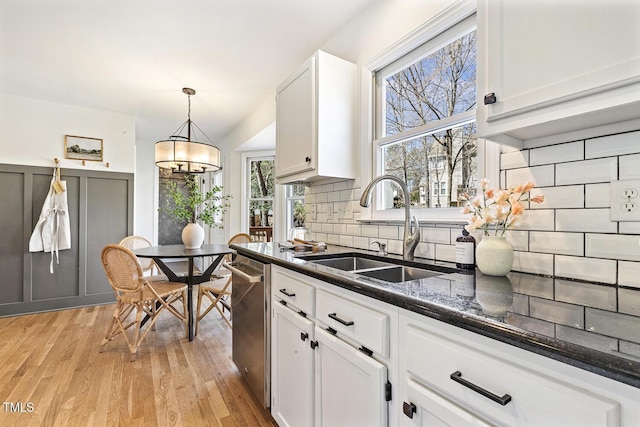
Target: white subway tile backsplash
[[629, 166], [327, 228], [436, 235], [568, 235], [629, 274], [557, 243], [529, 262], [586, 294], [538, 219], [557, 153], [624, 143], [340, 228], [613, 246], [519, 240], [568, 196], [514, 159], [542, 176], [361, 242], [346, 240], [585, 220], [597, 196], [369, 230], [629, 227], [587, 171], [629, 301], [445, 252], [389, 232], [426, 250], [590, 269], [353, 229], [557, 312]]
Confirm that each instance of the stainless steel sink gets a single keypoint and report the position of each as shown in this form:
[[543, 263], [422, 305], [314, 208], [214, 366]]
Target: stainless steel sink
[[382, 270], [400, 274], [351, 263]]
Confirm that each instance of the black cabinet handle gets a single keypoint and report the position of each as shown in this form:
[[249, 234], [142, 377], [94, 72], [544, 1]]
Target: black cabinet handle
[[457, 377], [284, 291], [304, 336], [307, 159], [313, 344], [339, 320], [409, 409], [490, 98]]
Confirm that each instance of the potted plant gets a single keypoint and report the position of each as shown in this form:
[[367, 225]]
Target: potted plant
[[194, 205]]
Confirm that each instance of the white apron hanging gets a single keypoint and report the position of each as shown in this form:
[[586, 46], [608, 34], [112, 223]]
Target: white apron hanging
[[53, 231]]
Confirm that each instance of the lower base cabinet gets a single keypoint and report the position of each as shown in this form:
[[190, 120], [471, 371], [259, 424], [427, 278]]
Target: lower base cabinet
[[322, 374], [448, 379], [350, 386], [292, 359], [343, 359], [426, 408]]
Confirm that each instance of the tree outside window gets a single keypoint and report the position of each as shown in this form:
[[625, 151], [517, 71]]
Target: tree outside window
[[428, 134], [262, 192]]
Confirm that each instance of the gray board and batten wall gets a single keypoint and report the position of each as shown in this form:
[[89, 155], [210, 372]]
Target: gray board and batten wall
[[100, 212]]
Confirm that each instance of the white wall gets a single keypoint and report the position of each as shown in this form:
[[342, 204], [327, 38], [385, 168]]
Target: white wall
[[33, 134]]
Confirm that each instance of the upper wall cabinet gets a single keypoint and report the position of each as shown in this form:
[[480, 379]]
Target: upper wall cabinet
[[316, 121], [552, 67]]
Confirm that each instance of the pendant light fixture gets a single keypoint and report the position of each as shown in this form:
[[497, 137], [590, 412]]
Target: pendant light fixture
[[182, 154]]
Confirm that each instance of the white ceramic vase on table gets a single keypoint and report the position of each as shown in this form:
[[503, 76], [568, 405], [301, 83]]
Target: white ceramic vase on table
[[192, 236], [494, 256]]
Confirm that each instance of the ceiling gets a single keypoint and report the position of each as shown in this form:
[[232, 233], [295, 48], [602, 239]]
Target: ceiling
[[134, 57]]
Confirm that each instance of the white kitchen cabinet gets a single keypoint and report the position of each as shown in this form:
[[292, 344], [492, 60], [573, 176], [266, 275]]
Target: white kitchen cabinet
[[316, 121], [292, 402], [556, 67], [331, 371], [426, 408], [450, 379], [350, 386]]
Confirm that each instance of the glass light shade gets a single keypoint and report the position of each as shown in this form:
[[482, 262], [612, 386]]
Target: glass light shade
[[187, 156]]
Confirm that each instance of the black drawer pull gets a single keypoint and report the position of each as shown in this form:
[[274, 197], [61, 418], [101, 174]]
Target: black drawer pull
[[457, 377], [304, 336], [409, 409], [284, 291], [337, 319]]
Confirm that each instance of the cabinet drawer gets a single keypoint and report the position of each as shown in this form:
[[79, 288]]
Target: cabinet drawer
[[365, 325], [535, 399], [291, 288]]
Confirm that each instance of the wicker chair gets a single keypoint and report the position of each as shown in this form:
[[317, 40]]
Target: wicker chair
[[149, 267], [218, 291], [136, 292]]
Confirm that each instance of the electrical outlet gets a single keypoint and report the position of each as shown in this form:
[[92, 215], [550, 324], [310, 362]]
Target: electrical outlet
[[624, 200]]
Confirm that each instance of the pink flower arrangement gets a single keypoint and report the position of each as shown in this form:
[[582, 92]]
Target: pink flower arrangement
[[500, 208]]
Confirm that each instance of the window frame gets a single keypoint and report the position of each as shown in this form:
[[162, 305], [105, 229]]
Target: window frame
[[443, 29]]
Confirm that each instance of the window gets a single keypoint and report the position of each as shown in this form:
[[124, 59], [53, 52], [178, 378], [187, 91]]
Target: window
[[295, 206], [425, 121], [261, 197]]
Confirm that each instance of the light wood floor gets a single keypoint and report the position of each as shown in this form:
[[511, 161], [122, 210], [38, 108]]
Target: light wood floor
[[51, 365]]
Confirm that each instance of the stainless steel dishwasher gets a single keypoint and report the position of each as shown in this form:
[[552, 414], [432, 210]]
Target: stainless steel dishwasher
[[250, 308]]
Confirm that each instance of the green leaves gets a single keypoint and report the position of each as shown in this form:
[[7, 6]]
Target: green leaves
[[189, 203]]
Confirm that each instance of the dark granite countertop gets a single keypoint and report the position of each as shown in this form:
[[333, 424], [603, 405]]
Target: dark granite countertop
[[574, 322]]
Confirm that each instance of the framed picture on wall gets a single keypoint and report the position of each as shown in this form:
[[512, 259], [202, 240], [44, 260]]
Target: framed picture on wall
[[82, 148]]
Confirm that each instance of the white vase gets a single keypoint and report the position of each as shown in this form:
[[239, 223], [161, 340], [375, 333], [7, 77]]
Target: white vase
[[494, 256], [192, 236]]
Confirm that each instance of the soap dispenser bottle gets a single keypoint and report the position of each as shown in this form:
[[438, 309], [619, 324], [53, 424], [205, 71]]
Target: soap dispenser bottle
[[465, 251]]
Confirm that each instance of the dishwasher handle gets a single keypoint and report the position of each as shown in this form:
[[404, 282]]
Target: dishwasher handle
[[249, 278]]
